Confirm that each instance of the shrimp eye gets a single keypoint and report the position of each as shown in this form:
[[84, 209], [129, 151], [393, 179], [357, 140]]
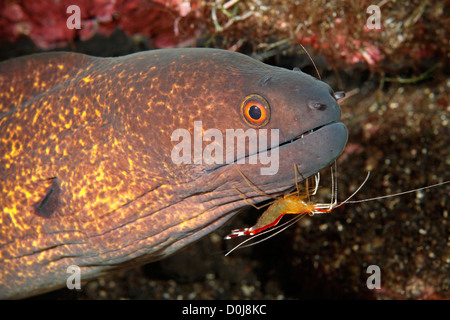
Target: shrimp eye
[[255, 111]]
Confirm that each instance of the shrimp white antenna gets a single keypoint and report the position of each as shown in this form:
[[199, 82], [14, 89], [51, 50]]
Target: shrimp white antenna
[[326, 208], [356, 191], [399, 193]]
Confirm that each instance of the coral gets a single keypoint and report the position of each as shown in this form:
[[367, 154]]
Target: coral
[[409, 31], [45, 21]]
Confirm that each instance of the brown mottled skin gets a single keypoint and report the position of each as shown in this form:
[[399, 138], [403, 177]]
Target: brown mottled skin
[[85, 155]]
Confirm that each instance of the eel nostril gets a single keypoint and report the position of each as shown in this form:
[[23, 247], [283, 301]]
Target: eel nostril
[[315, 105]]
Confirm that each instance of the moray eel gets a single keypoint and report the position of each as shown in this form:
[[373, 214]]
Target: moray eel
[[86, 168]]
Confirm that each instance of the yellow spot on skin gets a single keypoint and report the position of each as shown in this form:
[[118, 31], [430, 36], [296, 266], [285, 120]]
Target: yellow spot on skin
[[14, 152], [101, 176], [12, 213], [87, 79], [27, 194], [60, 66], [68, 124], [97, 112], [35, 116]]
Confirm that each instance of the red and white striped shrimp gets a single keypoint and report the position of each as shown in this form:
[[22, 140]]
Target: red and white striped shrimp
[[300, 204], [293, 203]]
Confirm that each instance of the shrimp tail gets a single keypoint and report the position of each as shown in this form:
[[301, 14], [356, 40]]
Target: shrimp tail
[[239, 232]]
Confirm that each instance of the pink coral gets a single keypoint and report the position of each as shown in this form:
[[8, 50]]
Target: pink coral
[[45, 21]]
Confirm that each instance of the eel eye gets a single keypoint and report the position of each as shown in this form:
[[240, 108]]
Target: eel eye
[[255, 111]]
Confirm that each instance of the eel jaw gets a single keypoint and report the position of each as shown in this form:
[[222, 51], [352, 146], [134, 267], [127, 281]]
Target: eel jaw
[[269, 148], [304, 134]]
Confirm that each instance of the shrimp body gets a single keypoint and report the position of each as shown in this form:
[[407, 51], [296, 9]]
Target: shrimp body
[[292, 204], [287, 205], [296, 204]]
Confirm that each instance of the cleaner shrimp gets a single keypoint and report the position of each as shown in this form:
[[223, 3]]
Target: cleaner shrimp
[[301, 205]]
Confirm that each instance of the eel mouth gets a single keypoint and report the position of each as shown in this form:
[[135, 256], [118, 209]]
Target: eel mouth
[[297, 138], [290, 142], [304, 134]]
